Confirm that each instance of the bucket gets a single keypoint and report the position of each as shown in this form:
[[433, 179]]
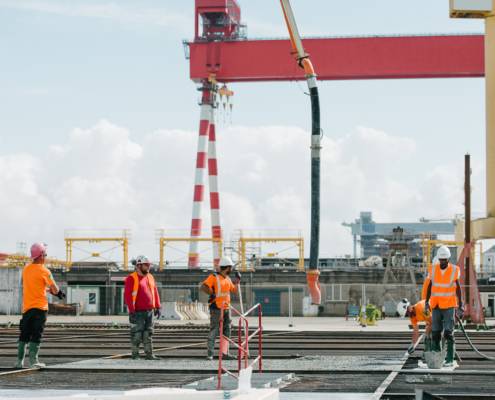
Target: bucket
[[435, 359]]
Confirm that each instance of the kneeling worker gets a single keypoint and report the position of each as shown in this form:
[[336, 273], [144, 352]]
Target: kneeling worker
[[36, 278], [219, 286], [416, 313], [143, 302], [444, 298]]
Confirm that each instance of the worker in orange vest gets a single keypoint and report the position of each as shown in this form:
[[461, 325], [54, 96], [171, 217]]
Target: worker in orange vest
[[416, 313], [143, 303], [219, 286], [444, 299], [36, 279]]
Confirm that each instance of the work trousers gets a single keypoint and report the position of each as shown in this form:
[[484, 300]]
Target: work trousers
[[215, 315], [32, 325], [442, 320], [142, 326]]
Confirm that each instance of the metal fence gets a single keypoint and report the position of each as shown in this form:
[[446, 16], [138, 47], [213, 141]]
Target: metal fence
[[284, 300]]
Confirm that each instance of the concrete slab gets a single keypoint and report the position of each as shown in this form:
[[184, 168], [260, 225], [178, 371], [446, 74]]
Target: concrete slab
[[326, 396], [258, 381], [50, 394], [151, 394], [307, 363]]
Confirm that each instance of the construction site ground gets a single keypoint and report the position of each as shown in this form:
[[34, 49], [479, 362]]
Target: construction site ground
[[330, 358]]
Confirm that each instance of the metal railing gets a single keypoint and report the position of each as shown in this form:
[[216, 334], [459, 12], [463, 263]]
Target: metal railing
[[243, 338]]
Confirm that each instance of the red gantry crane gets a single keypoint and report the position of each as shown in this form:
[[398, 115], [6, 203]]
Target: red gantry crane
[[221, 53]]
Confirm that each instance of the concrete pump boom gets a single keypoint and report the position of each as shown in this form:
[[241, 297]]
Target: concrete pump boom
[[304, 62]]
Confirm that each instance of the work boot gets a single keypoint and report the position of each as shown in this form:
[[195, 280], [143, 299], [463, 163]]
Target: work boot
[[449, 359], [21, 352], [435, 346], [136, 339], [209, 356], [34, 349], [135, 350], [427, 344], [227, 356], [148, 347]]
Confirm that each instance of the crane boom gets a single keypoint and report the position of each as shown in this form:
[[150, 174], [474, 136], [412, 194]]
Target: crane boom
[[304, 62]]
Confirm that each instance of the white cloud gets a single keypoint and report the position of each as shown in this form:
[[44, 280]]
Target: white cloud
[[105, 10], [103, 177]]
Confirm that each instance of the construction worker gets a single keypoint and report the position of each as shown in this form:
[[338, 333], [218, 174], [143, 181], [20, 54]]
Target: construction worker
[[143, 303], [444, 299], [36, 279], [219, 286], [416, 313]]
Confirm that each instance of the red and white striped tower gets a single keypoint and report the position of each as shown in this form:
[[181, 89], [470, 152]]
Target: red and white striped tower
[[207, 103], [216, 229]]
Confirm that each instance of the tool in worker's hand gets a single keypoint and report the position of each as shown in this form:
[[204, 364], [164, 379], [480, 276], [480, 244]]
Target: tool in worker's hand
[[238, 283], [412, 348], [61, 295]]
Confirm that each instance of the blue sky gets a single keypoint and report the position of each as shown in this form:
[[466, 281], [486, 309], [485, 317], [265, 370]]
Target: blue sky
[[73, 63]]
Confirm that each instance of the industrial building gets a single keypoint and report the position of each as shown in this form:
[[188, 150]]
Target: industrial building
[[371, 237]]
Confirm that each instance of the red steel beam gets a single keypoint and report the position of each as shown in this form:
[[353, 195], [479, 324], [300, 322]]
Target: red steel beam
[[397, 57]]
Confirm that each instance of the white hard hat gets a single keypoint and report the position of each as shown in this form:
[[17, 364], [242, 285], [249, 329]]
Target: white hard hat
[[402, 307], [443, 253], [142, 260], [226, 262]]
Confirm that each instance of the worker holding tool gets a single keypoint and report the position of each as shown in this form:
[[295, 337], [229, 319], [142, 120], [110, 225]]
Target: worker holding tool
[[444, 299], [219, 286], [416, 313], [143, 303], [36, 279]]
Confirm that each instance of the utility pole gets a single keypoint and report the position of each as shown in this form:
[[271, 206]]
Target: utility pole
[[467, 228]]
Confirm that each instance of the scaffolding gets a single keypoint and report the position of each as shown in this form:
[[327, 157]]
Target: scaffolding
[[20, 260], [167, 238], [121, 238]]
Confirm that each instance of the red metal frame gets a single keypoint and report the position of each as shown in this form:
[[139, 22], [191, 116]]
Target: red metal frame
[[395, 57], [243, 344], [474, 308]]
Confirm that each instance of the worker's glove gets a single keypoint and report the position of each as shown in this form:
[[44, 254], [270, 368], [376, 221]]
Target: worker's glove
[[410, 349], [61, 295], [427, 309], [237, 277], [460, 312], [132, 318], [158, 313]]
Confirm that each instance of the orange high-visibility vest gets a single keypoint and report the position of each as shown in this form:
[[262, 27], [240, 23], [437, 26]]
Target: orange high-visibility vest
[[222, 298], [135, 288], [443, 286], [419, 311]]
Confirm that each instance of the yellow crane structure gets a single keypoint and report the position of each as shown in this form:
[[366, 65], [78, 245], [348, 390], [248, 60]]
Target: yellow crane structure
[[122, 240], [484, 9], [165, 240], [244, 241]]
